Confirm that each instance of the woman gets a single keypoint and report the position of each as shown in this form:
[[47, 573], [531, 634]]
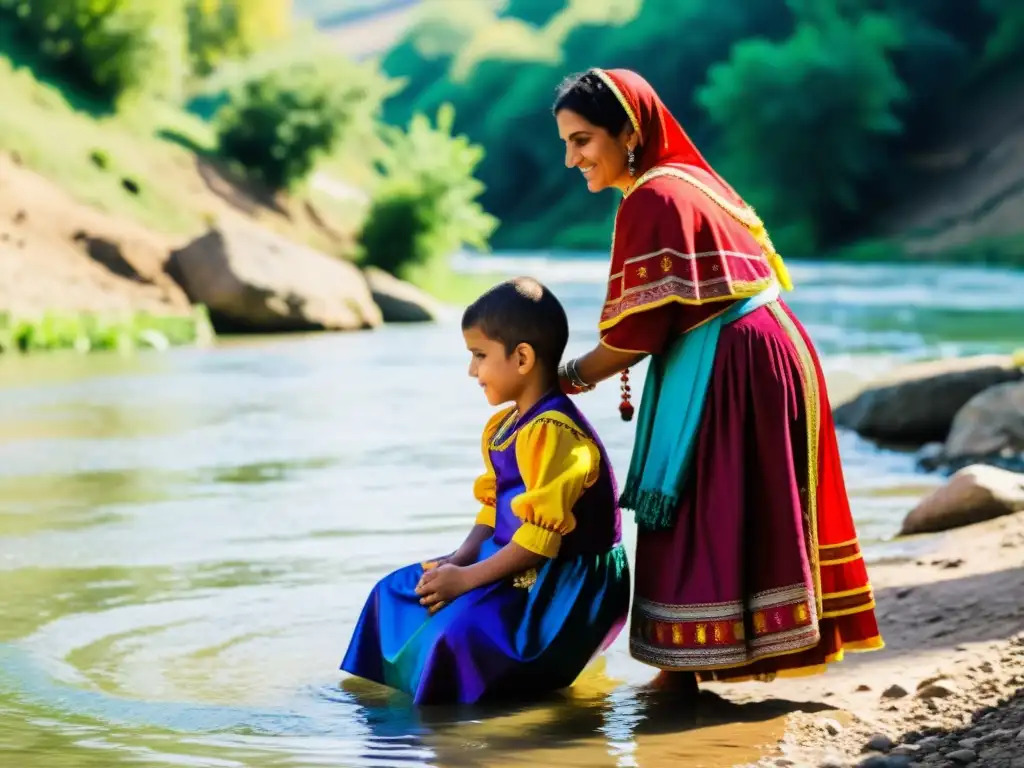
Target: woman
[[747, 561]]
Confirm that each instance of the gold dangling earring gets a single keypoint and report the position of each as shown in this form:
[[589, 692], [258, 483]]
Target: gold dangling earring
[[631, 162]]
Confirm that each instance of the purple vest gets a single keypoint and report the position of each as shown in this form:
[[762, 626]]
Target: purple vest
[[598, 522]]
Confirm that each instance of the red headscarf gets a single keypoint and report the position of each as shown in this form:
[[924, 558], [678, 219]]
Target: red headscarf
[[682, 233]]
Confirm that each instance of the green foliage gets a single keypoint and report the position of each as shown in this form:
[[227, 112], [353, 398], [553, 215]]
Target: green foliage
[[89, 331], [425, 207], [279, 124], [220, 30], [833, 81], [112, 48], [1006, 42], [804, 104]]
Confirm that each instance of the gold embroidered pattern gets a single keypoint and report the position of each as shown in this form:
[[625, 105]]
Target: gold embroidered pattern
[[666, 263], [525, 580], [642, 273]]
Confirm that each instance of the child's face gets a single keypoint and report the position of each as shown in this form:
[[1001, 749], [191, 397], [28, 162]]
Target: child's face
[[501, 376]]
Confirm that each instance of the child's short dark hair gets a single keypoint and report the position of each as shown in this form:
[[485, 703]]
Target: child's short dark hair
[[522, 311]]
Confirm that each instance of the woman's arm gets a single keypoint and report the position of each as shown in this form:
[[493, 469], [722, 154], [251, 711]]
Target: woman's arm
[[602, 363]]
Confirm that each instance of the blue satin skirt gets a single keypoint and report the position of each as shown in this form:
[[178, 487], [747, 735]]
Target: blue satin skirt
[[497, 641]]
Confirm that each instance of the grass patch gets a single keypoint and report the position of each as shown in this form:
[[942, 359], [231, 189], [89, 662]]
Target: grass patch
[[44, 129], [149, 162], [61, 136], [90, 331]]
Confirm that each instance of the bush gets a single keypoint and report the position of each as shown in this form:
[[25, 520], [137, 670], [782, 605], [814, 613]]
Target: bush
[[277, 125], [426, 206], [110, 48], [220, 30]]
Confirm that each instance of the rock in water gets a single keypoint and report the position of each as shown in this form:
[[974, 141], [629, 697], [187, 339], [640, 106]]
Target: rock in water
[[399, 301], [916, 404], [253, 280], [991, 424], [972, 495]]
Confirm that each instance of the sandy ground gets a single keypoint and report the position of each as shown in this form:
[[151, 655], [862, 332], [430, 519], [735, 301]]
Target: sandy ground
[[58, 253], [944, 691]]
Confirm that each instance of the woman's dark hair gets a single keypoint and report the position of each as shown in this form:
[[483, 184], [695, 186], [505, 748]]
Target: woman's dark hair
[[522, 311], [588, 95]]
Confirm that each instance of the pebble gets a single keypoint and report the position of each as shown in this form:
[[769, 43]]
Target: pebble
[[929, 743], [878, 743], [963, 756], [1020, 736], [894, 692], [831, 727], [832, 762], [969, 743], [998, 733], [905, 749], [936, 691]]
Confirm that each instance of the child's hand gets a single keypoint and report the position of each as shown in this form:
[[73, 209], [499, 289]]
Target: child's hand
[[453, 558], [441, 585], [434, 562]]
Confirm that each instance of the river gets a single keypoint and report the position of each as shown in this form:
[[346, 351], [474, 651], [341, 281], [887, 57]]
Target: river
[[186, 538]]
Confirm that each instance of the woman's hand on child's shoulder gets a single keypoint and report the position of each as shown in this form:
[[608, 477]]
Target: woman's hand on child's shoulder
[[441, 585]]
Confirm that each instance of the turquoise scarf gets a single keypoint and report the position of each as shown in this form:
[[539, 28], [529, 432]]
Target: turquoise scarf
[[670, 414]]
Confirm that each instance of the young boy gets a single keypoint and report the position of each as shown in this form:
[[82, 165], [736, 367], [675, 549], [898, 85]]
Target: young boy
[[540, 586]]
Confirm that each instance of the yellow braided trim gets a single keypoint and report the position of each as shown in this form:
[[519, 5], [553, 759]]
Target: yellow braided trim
[[745, 215], [607, 80], [836, 546], [809, 378], [842, 560]]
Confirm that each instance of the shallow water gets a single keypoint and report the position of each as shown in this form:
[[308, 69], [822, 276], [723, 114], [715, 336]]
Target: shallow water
[[186, 539]]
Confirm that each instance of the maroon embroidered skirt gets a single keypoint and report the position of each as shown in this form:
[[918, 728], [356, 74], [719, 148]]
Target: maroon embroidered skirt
[[761, 572]]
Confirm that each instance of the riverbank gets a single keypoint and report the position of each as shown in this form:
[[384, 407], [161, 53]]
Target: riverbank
[[953, 624]]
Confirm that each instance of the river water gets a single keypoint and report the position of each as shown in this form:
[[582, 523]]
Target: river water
[[186, 538]]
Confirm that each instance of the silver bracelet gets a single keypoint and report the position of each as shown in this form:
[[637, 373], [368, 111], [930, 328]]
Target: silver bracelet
[[572, 374]]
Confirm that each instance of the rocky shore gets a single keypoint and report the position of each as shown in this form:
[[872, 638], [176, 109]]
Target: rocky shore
[[948, 688]]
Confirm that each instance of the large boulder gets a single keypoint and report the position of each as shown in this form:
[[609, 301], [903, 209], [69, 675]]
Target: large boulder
[[991, 423], [253, 280], [917, 403], [972, 495], [399, 301]]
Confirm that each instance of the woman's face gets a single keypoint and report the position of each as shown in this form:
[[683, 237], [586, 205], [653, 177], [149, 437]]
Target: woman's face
[[599, 156]]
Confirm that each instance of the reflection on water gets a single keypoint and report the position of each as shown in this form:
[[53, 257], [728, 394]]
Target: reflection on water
[[186, 539]]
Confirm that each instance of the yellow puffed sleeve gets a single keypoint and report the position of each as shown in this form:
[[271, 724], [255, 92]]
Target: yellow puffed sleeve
[[484, 487], [558, 462]]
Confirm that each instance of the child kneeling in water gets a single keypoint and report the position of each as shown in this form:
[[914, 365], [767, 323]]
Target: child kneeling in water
[[540, 586]]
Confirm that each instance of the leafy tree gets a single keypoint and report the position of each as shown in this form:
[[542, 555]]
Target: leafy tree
[[279, 124], [112, 48], [425, 207], [805, 122], [226, 29]]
